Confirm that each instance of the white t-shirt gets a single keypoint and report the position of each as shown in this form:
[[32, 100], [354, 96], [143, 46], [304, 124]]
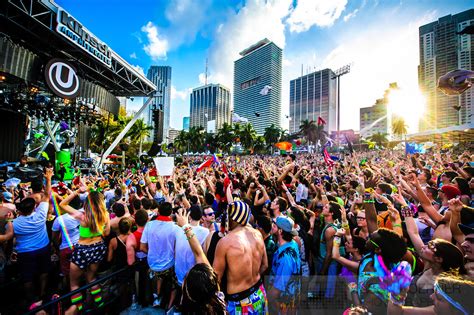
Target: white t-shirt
[[184, 259], [161, 239], [72, 228]]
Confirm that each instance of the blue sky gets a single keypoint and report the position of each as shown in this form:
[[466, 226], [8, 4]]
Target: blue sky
[[379, 38]]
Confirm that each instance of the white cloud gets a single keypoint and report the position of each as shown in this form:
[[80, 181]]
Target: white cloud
[[157, 46], [139, 69], [379, 56], [181, 95], [186, 19], [133, 55], [315, 12], [256, 20], [351, 15]]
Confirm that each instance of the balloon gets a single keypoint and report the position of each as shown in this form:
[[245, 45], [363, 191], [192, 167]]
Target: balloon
[[455, 82], [283, 146]]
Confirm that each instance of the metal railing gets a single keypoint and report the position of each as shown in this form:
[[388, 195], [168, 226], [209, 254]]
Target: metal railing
[[83, 288]]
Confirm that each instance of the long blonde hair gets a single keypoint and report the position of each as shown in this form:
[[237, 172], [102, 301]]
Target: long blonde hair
[[95, 212]]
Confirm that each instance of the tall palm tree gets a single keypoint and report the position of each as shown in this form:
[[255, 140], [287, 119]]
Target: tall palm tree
[[306, 128], [181, 142], [225, 137], [248, 136], [313, 132], [196, 139], [399, 127], [139, 132], [272, 135], [379, 138]]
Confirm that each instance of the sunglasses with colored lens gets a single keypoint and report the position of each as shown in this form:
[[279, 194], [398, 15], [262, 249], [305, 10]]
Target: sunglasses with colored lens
[[209, 214]]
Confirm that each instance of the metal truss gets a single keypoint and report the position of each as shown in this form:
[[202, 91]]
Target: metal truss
[[121, 79]]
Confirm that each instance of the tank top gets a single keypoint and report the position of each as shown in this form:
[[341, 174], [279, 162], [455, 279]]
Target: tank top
[[120, 254], [211, 251], [138, 236]]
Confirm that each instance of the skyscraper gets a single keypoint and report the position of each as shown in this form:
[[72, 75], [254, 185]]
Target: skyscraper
[[378, 118], [209, 103], [186, 123], [312, 96], [442, 50], [257, 85], [161, 77]]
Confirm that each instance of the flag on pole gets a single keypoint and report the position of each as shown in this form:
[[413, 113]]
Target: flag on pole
[[207, 163], [321, 121], [215, 159], [329, 162]]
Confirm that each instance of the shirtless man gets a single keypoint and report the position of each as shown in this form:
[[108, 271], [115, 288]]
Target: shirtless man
[[242, 257]]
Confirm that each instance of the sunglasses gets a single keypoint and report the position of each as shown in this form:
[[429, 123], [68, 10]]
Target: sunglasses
[[432, 246], [209, 214]]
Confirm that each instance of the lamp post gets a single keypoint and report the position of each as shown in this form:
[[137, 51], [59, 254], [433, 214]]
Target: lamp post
[[337, 76]]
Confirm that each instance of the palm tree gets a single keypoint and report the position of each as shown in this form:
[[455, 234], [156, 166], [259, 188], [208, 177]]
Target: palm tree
[[260, 144], [399, 127], [379, 138], [225, 137], [306, 129], [272, 135], [313, 132], [196, 139], [139, 132], [210, 141], [248, 136], [181, 141]]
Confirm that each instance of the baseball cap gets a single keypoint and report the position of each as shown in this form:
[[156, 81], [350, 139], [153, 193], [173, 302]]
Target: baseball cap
[[286, 224], [7, 196], [467, 221]]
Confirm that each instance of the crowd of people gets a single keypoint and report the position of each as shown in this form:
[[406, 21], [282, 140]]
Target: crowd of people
[[377, 232]]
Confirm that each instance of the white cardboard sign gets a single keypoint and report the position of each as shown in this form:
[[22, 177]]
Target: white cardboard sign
[[164, 165]]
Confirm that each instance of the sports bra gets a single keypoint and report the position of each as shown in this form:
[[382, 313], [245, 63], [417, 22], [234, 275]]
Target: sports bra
[[85, 232]]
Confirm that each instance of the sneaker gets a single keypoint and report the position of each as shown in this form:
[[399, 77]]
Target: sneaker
[[156, 300]]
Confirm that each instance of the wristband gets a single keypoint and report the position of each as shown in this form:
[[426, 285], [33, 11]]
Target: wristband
[[406, 212], [337, 241], [186, 228], [397, 225], [369, 201], [345, 226], [352, 287], [190, 236]]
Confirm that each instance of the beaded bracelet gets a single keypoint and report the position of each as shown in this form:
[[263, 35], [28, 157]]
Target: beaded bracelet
[[406, 212], [187, 228], [190, 236]]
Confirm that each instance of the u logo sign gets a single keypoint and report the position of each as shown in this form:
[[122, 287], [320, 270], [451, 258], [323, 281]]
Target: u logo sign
[[62, 79]]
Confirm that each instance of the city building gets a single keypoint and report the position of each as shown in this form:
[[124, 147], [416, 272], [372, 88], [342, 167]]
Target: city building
[[311, 96], [161, 77], [172, 134], [210, 106], [441, 51], [376, 118], [186, 123], [257, 85]]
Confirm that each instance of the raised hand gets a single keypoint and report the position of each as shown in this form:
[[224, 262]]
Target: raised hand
[[181, 217]]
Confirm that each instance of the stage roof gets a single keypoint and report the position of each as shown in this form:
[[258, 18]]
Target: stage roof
[[43, 27]]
